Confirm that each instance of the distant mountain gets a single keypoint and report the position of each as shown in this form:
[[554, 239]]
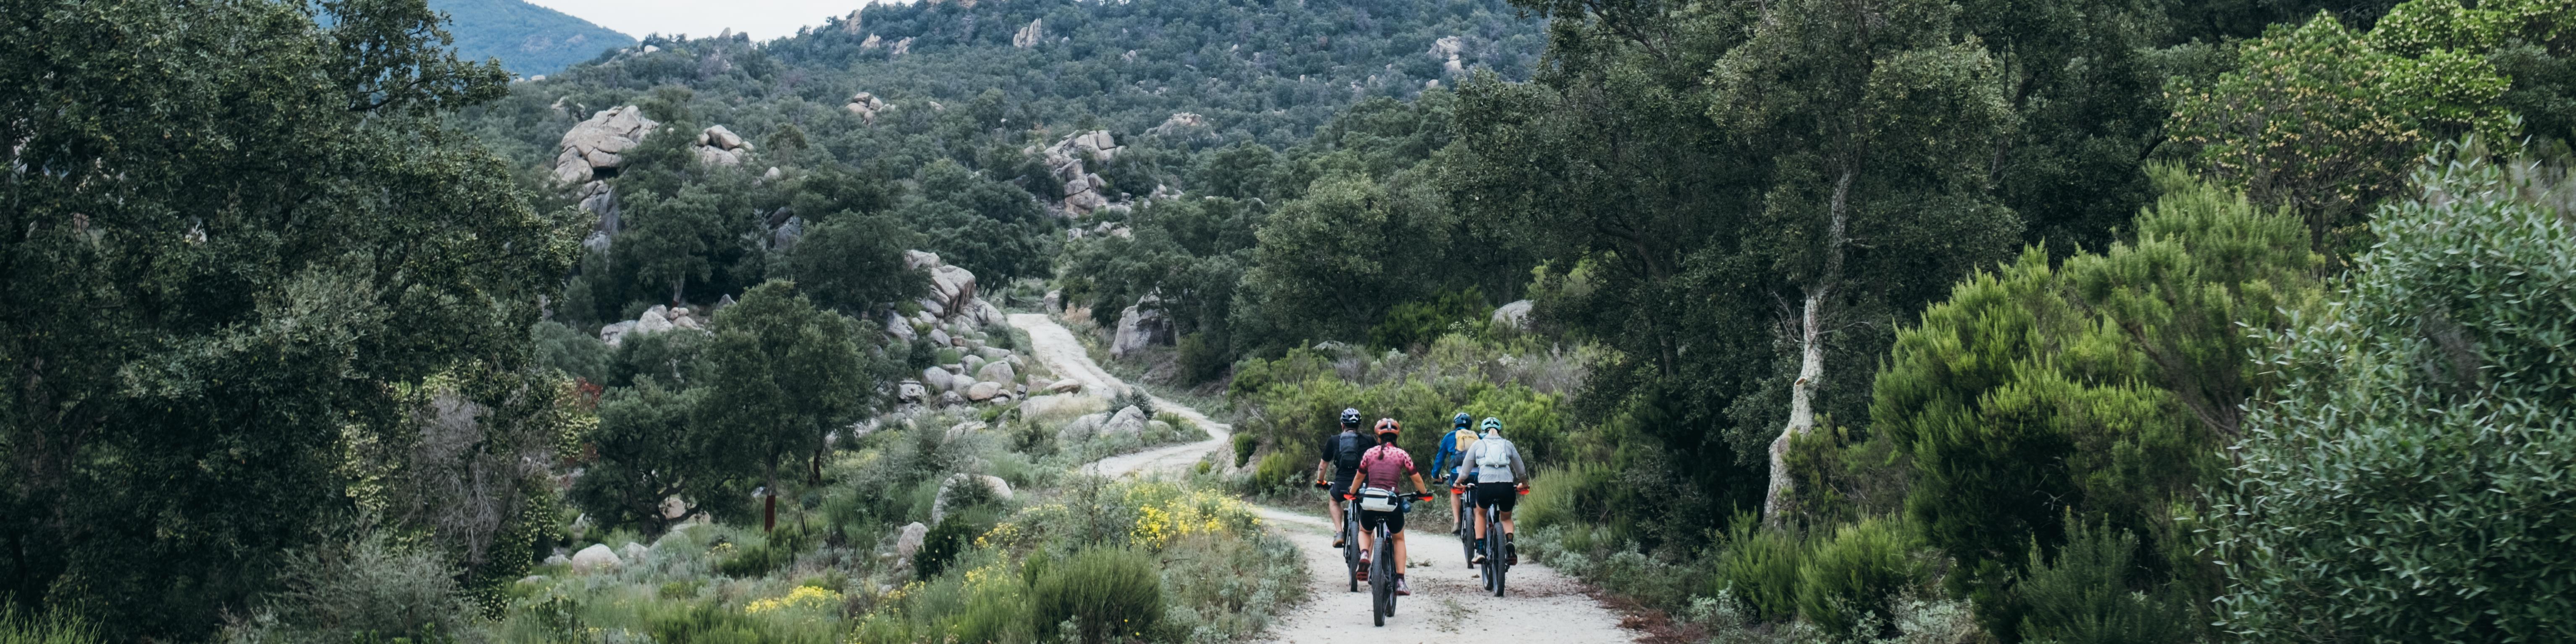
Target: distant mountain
[[529, 39]]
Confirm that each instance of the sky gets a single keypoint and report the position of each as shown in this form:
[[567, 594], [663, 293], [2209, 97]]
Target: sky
[[763, 19]]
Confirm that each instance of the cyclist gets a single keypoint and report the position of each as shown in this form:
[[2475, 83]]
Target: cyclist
[[1500, 476], [1452, 458], [1381, 469], [1342, 454]]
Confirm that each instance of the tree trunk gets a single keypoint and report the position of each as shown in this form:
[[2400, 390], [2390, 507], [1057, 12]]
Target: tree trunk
[[769, 511], [1811, 352]]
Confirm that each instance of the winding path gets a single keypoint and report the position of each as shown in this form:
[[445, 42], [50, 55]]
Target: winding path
[[1062, 354], [1448, 604]]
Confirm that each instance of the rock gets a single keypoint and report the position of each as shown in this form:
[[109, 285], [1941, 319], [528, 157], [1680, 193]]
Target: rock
[[960, 430], [1130, 421], [673, 507], [687, 323], [722, 302], [985, 314], [910, 391], [871, 43], [1029, 36], [999, 371], [1082, 428], [558, 560], [597, 242], [900, 47], [720, 146], [939, 337], [594, 144], [594, 558], [1139, 326], [955, 287], [1158, 428], [952, 399], [533, 579], [974, 363], [936, 379], [1066, 386], [1046, 406], [850, 24], [612, 333], [900, 328], [914, 260], [1054, 301], [653, 321], [634, 552], [983, 391], [909, 541], [867, 105], [1514, 315], [957, 485]]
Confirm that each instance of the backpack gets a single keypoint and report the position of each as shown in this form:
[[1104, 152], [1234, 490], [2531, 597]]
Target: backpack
[[1346, 452], [1495, 454]]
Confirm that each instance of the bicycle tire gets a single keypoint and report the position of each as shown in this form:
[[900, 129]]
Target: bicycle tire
[[1381, 588], [1351, 549], [1388, 567], [1494, 550]]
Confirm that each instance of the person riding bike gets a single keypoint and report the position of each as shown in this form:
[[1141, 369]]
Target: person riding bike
[[1342, 454], [1452, 457], [1500, 476], [1382, 468]]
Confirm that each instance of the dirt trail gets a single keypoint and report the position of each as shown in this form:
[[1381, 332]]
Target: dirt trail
[[1448, 605], [1064, 355]]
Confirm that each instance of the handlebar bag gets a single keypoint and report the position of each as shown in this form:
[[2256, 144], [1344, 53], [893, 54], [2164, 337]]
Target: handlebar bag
[[1377, 499]]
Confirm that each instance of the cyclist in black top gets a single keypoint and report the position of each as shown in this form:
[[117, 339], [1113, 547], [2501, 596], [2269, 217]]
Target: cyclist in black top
[[1342, 455]]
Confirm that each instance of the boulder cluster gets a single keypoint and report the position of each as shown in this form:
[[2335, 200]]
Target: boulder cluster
[[1447, 49], [867, 105], [655, 320], [720, 146], [1126, 421], [591, 148], [1029, 36], [1068, 162]]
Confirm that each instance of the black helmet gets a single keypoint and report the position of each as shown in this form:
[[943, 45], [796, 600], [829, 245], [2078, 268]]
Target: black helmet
[[1350, 418], [1462, 420]]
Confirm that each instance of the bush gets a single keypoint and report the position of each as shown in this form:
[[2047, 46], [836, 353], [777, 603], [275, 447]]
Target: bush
[[775, 551], [571, 351], [2085, 596], [943, 543], [1761, 567], [1109, 593], [1244, 445], [1856, 572], [1202, 359], [1413, 324], [367, 590], [2408, 481], [1278, 470], [23, 628]]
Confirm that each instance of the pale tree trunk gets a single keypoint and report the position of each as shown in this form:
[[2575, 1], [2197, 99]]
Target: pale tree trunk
[[1811, 351]]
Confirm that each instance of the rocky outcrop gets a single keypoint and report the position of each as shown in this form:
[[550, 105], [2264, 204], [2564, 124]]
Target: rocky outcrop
[[954, 489], [1140, 325], [867, 105], [952, 289], [1514, 315], [909, 540], [720, 146], [596, 557], [872, 42], [591, 149], [850, 23], [653, 320], [1129, 421], [1068, 165], [1447, 49], [1029, 36], [900, 47]]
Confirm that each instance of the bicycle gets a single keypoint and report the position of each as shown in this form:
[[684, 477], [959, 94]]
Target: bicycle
[[1495, 565], [1350, 537], [1465, 522], [1382, 570]]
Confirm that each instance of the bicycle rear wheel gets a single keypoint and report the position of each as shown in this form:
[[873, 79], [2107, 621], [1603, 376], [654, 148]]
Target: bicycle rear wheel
[[1494, 563], [1381, 583], [1351, 546]]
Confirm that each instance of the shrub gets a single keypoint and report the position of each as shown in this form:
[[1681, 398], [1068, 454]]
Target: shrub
[[1278, 470], [1201, 359], [1244, 444], [367, 590], [2084, 595], [710, 623], [1107, 592], [23, 628], [575, 353], [1416, 323], [2408, 481], [775, 551], [1761, 568], [943, 543], [1855, 573]]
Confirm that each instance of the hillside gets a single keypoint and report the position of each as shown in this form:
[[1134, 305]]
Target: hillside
[[530, 40]]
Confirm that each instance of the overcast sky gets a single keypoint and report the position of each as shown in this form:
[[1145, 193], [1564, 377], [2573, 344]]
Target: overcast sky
[[763, 19]]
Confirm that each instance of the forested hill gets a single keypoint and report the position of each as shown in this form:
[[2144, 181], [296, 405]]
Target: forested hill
[[1269, 72], [529, 40]]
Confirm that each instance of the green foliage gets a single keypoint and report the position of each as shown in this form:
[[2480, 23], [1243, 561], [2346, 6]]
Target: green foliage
[[2103, 385], [237, 237], [1761, 568], [17, 627], [370, 590], [943, 543], [1858, 572], [1412, 324], [648, 447], [853, 263], [2406, 481], [2086, 594], [709, 623], [1109, 593], [782, 373], [2327, 120], [777, 549], [1244, 446], [576, 354]]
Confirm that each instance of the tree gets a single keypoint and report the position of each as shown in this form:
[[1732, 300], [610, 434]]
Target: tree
[[781, 374], [2099, 388], [238, 237], [648, 448], [1329, 263], [2406, 481], [853, 263]]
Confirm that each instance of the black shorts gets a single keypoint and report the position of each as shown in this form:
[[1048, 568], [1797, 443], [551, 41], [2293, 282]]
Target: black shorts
[[1341, 485], [1394, 521], [1500, 495]]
